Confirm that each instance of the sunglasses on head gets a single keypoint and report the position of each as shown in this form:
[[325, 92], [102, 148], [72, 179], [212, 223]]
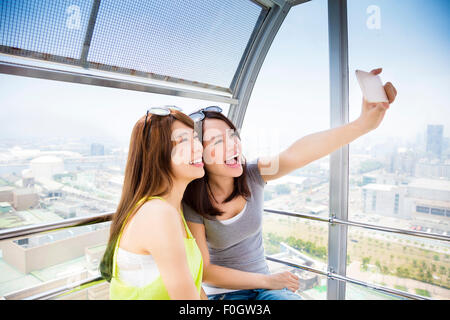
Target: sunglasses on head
[[198, 117], [160, 111]]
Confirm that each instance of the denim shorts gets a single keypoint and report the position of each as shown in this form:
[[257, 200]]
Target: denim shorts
[[256, 294]]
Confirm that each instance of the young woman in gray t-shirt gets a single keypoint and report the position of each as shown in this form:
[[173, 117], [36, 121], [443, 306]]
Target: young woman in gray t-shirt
[[224, 208]]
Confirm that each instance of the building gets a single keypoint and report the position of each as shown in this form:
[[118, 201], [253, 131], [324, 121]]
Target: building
[[27, 178], [46, 166], [50, 189], [421, 198], [385, 178], [5, 207], [44, 250], [384, 199], [434, 140], [6, 194], [66, 209], [402, 161], [24, 199], [432, 169], [429, 198], [97, 149]]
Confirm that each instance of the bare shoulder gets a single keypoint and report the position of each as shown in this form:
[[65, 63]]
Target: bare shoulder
[[154, 212]]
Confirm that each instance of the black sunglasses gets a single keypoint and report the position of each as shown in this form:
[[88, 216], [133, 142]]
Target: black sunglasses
[[198, 117], [160, 111]]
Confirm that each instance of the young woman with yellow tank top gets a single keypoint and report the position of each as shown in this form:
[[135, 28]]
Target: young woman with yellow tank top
[[151, 253]]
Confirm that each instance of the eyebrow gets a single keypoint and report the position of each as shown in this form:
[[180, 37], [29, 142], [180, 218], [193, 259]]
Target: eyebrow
[[215, 137], [182, 134]]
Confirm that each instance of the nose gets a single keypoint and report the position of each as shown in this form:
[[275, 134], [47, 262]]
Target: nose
[[197, 150], [232, 146]]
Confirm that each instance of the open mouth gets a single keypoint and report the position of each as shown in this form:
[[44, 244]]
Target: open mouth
[[197, 162], [234, 161]]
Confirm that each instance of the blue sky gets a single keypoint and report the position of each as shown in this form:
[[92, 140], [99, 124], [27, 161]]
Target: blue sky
[[291, 95], [412, 46]]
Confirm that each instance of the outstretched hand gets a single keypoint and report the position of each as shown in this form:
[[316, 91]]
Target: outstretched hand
[[373, 113]]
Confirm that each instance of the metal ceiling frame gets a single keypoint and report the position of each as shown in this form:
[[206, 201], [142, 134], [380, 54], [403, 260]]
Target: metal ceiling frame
[[192, 89], [271, 17], [249, 71]]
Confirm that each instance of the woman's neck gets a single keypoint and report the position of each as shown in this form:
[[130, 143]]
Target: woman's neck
[[221, 187], [175, 196]]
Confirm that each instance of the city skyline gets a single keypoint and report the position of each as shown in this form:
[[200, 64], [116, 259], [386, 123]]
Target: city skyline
[[44, 108], [63, 146]]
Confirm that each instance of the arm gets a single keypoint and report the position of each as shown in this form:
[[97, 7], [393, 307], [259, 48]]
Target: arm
[[236, 279], [203, 295], [162, 236], [318, 145]]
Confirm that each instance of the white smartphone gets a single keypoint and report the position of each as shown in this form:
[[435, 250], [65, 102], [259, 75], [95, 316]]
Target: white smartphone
[[371, 86]]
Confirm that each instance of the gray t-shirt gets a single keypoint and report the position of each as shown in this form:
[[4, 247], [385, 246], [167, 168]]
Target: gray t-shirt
[[239, 244]]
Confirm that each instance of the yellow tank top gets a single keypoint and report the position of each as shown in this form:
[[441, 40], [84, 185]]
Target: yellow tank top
[[118, 290]]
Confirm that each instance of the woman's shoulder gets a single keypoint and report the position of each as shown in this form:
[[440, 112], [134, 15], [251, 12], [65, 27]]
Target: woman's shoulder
[[154, 211], [253, 172]]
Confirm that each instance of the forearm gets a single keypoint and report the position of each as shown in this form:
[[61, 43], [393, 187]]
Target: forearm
[[234, 279], [203, 295], [320, 144]]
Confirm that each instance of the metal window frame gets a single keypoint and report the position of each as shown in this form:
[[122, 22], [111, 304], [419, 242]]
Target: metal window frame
[[195, 89], [246, 76], [12, 233], [339, 160], [75, 222], [40, 72], [55, 292]]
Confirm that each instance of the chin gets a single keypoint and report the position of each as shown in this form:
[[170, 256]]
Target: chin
[[196, 173], [233, 171]]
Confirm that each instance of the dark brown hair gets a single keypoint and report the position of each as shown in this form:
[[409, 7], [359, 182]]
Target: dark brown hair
[[198, 192], [147, 173]]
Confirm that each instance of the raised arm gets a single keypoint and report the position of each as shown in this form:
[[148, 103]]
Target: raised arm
[[236, 279], [320, 144]]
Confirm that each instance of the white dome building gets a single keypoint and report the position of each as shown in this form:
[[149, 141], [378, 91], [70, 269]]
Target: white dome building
[[46, 166]]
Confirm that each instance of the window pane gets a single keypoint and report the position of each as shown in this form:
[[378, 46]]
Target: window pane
[[399, 173], [63, 150], [401, 262], [71, 255], [289, 101], [46, 26], [357, 292], [201, 41], [298, 241]]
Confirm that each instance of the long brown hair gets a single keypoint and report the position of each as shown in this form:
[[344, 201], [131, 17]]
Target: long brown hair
[[197, 192], [147, 173]]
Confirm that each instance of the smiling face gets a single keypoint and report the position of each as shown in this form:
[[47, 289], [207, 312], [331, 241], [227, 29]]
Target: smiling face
[[186, 159], [222, 149]]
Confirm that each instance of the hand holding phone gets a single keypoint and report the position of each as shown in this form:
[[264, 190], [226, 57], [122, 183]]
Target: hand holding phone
[[371, 86]]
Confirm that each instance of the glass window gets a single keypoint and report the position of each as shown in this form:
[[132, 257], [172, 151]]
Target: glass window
[[289, 101], [439, 212], [423, 209], [47, 26], [201, 41], [409, 152], [63, 150], [399, 262], [298, 241]]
